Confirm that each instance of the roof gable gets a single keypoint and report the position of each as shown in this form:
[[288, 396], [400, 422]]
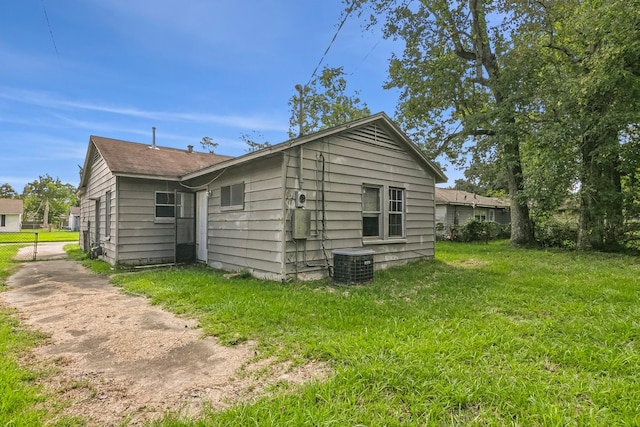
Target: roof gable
[[378, 127], [457, 197], [10, 206]]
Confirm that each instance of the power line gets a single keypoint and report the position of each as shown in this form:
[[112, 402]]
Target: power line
[[335, 35], [46, 17]]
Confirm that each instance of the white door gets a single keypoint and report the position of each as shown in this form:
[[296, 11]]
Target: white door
[[201, 226]]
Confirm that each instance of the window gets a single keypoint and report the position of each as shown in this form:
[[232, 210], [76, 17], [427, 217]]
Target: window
[[165, 204], [371, 211], [382, 218], [107, 214], [3, 220], [396, 212], [232, 196], [492, 215], [480, 215]]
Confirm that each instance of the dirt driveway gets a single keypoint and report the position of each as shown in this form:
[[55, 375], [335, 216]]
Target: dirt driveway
[[120, 358]]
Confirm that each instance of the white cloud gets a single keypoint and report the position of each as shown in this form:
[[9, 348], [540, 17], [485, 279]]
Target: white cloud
[[51, 101]]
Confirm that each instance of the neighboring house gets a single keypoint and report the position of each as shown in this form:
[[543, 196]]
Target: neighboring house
[[10, 215], [454, 208], [74, 218], [278, 212]]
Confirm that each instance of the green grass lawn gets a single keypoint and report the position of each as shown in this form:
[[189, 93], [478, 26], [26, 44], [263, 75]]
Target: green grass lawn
[[21, 398], [483, 335], [43, 236]]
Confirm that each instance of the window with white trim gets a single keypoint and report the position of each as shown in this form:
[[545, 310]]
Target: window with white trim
[[383, 212], [165, 204], [371, 212], [232, 196], [480, 214], [3, 220], [396, 212]]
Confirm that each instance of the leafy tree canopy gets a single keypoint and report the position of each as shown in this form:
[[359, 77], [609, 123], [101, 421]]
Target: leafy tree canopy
[[46, 198], [325, 104], [253, 141], [208, 144], [7, 192]]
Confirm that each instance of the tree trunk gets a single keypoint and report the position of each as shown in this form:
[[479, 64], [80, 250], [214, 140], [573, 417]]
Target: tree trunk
[[601, 213], [521, 226], [45, 219], [585, 223]]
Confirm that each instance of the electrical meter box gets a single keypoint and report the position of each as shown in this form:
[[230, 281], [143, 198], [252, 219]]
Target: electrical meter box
[[301, 224]]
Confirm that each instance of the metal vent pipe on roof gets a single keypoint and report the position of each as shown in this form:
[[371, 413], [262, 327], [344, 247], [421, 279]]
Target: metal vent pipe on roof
[[153, 143]]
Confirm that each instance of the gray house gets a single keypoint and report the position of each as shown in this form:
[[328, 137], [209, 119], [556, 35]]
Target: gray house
[[279, 212], [454, 208]]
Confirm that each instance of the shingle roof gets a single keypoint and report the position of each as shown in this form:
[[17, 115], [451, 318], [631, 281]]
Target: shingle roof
[[125, 157], [457, 197], [10, 206]]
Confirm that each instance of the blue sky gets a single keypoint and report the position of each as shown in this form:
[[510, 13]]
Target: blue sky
[[190, 68]]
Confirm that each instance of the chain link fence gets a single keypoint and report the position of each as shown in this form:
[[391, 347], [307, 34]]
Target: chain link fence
[[27, 244]]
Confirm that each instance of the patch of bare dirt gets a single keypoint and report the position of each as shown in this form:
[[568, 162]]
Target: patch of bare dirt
[[121, 360], [470, 263]]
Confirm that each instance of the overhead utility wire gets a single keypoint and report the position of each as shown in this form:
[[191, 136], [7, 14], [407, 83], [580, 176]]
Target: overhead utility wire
[[46, 17], [335, 35]]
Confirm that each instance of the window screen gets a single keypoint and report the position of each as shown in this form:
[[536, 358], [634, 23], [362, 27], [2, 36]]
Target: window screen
[[232, 195]]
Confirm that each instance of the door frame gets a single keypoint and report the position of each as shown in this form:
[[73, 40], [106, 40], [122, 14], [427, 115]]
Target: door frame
[[202, 220]]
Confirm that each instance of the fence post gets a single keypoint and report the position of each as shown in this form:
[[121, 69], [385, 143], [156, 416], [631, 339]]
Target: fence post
[[35, 246]]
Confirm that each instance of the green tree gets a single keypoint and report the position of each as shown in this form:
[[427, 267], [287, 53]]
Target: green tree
[[208, 144], [591, 54], [325, 103], [253, 143], [7, 192], [464, 85], [483, 178], [46, 199]]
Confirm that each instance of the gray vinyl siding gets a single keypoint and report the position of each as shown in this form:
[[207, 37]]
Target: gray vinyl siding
[[362, 156], [466, 213], [100, 181], [249, 238], [141, 238]]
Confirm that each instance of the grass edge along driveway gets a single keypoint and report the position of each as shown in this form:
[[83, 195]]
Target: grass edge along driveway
[[483, 335]]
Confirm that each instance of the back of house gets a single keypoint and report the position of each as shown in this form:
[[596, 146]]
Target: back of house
[[281, 212]]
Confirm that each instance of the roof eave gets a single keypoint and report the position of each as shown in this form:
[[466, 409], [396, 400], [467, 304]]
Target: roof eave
[[146, 176]]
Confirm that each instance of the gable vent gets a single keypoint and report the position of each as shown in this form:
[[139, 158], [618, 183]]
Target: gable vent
[[96, 156]]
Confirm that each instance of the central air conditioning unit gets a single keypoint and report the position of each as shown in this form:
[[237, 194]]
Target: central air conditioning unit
[[352, 266], [301, 199]]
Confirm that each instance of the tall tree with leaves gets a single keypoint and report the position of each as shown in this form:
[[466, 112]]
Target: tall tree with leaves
[[325, 103], [591, 51], [461, 84], [47, 198], [7, 192]]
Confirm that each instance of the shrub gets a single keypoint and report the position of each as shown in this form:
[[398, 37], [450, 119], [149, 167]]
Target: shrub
[[551, 233], [482, 231]]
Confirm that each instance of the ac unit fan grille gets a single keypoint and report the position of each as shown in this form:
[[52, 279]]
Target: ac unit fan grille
[[352, 268]]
